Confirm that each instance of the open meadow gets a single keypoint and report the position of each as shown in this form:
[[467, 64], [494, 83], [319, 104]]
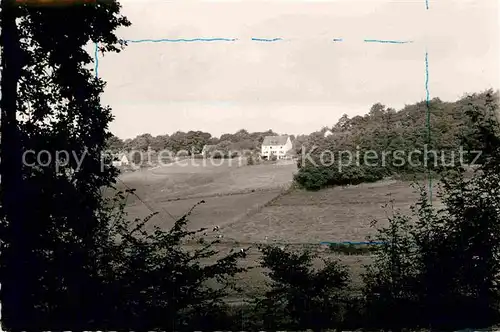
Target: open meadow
[[256, 204]]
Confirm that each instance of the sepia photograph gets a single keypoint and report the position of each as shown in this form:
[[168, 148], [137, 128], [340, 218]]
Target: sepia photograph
[[250, 165]]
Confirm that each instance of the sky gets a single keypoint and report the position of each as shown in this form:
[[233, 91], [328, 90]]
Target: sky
[[304, 81]]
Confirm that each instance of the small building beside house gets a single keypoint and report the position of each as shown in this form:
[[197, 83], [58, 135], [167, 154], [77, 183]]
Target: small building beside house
[[277, 146]]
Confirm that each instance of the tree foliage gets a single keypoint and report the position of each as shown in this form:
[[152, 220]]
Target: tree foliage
[[70, 258], [442, 270], [387, 138], [155, 278], [301, 297], [194, 141], [57, 109]]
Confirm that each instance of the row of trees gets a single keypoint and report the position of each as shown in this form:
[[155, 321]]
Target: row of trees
[[191, 141], [438, 131]]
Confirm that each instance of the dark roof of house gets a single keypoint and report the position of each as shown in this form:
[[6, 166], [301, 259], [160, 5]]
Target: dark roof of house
[[275, 140]]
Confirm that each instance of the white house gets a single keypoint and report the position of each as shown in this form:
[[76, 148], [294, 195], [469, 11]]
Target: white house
[[276, 145], [327, 133]]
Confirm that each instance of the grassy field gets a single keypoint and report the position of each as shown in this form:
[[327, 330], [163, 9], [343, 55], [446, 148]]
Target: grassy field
[[231, 191], [253, 204], [335, 214]]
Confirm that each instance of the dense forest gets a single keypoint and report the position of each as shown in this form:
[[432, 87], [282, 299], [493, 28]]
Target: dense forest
[[437, 132]]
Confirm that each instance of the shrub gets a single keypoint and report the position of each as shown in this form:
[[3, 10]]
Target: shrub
[[317, 177], [312, 178], [301, 297], [152, 281], [353, 249]]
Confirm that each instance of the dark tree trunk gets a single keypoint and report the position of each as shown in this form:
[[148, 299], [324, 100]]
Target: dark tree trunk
[[15, 291]]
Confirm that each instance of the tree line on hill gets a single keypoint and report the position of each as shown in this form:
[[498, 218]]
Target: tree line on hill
[[72, 259], [197, 144], [192, 142], [437, 130]]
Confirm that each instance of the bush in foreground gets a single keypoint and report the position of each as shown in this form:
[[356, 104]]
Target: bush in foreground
[[146, 279], [301, 297]]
